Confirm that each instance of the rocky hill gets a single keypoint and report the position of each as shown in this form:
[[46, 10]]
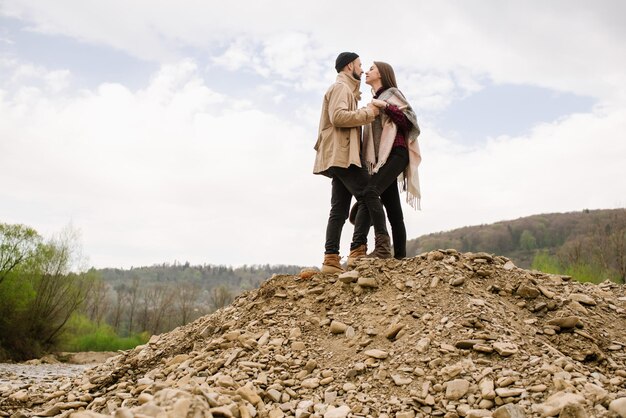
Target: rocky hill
[[441, 334]]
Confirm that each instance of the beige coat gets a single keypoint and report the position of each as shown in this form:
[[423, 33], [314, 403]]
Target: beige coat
[[339, 137]]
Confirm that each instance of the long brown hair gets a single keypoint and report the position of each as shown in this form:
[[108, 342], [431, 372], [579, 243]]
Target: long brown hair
[[387, 75]]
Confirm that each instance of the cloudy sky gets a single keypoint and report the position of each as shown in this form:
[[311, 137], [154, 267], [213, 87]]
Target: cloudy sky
[[184, 131]]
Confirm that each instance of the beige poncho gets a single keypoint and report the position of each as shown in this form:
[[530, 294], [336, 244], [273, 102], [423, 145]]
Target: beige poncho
[[377, 144]]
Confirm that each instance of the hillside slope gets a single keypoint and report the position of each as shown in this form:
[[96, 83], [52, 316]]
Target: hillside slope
[[522, 238], [442, 334]]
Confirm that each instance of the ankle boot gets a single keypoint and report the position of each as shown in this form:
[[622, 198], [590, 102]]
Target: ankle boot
[[382, 247], [331, 264], [358, 252]]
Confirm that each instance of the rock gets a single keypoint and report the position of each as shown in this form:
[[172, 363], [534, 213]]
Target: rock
[[467, 344], [368, 282], [583, 298], [509, 392], [565, 322], [400, 380], [340, 412], [509, 411], [505, 349], [508, 265], [555, 403], [248, 393], [274, 395], [310, 383], [377, 354], [478, 413], [457, 281], [349, 276], [618, 406], [422, 345], [527, 291], [457, 389], [487, 389], [337, 327], [393, 330], [298, 345], [573, 411]]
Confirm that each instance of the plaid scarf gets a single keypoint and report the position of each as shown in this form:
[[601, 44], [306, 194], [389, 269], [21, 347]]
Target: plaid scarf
[[377, 144]]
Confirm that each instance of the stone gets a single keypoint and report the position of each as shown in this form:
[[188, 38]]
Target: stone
[[274, 395], [337, 412], [467, 344], [422, 345], [573, 411], [618, 406], [508, 265], [509, 392], [400, 380], [457, 389], [347, 387], [478, 413], [565, 322], [505, 349], [458, 281], [487, 389], [509, 411], [393, 331], [368, 282], [337, 327], [248, 393], [349, 276], [556, 402], [298, 346], [310, 383], [377, 354], [527, 291], [583, 298]]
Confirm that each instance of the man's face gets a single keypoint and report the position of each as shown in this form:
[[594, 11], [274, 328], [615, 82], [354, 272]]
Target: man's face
[[357, 69]]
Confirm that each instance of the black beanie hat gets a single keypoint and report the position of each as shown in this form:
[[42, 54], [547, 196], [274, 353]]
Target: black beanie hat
[[344, 59]]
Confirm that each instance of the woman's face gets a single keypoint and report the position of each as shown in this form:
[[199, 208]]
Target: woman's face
[[372, 75]]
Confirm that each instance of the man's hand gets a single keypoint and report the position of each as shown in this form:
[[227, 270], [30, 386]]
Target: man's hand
[[373, 108], [379, 103]]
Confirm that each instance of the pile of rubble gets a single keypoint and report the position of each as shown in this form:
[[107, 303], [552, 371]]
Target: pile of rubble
[[442, 334]]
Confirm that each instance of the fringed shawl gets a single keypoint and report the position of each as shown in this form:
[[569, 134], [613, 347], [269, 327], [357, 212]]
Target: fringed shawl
[[377, 150]]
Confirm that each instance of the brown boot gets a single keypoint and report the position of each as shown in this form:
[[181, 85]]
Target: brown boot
[[331, 264], [358, 252], [382, 248]]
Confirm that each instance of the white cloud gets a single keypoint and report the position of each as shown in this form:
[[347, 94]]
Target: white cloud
[[574, 48], [177, 171]]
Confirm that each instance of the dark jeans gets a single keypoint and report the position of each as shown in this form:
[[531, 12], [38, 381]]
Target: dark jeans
[[390, 199], [377, 184], [346, 182]]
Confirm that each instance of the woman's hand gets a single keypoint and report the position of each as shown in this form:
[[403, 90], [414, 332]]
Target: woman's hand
[[379, 103]]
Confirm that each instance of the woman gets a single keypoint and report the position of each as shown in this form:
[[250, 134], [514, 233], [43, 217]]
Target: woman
[[390, 149]]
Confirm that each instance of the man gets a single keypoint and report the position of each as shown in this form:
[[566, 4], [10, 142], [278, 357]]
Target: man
[[338, 156]]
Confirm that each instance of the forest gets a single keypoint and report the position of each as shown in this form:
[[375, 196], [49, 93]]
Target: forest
[[589, 245], [50, 302]]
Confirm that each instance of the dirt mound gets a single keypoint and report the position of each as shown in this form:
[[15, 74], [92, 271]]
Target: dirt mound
[[441, 334]]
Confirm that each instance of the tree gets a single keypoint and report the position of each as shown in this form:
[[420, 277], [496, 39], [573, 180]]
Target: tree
[[220, 296], [527, 240], [17, 244]]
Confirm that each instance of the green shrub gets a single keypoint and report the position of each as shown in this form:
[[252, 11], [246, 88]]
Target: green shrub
[[84, 335]]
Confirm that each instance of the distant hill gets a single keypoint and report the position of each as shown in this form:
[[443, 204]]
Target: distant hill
[[590, 236]]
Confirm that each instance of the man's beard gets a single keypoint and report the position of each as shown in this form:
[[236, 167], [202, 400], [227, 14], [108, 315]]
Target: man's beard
[[356, 76]]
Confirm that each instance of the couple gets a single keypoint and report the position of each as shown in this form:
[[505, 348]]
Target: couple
[[366, 167]]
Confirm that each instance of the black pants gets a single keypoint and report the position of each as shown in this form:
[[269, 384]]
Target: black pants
[[346, 182], [390, 199], [377, 184]]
